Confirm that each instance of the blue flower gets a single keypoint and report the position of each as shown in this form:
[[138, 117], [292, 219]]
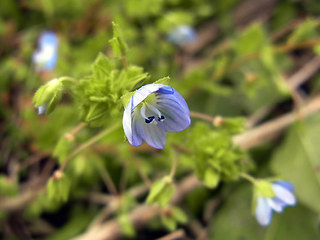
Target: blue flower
[[284, 197], [42, 109], [182, 34], [45, 57], [153, 110]]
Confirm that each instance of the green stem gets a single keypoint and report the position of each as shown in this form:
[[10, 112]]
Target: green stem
[[88, 144], [248, 177], [174, 165]]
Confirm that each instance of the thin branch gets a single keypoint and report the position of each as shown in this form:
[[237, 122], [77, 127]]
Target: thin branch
[[87, 144]]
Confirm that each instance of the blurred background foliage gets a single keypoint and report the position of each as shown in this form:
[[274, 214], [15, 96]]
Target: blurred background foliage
[[252, 62]]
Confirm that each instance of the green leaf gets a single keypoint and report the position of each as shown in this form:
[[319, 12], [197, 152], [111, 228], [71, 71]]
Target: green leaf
[[164, 81], [297, 161], [179, 215], [126, 98], [295, 223], [306, 30], [236, 212], [211, 178], [169, 222], [58, 188], [251, 40], [118, 44], [161, 192], [126, 225], [102, 66]]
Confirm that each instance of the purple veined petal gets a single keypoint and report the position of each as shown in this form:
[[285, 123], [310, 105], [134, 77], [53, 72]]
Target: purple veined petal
[[284, 194], [276, 204], [286, 185], [263, 211], [129, 117], [175, 119], [172, 98], [153, 133], [42, 109], [143, 92]]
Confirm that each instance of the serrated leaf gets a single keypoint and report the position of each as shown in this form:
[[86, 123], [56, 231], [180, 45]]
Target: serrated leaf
[[118, 44], [102, 66], [126, 98], [164, 81]]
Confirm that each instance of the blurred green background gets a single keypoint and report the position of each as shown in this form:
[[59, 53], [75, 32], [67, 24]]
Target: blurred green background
[[251, 63]]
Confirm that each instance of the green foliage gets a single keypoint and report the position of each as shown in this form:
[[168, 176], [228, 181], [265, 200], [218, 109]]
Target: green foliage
[[296, 160], [161, 192], [98, 95], [64, 147], [58, 187], [216, 158], [252, 40], [118, 45], [80, 219], [306, 30], [172, 216]]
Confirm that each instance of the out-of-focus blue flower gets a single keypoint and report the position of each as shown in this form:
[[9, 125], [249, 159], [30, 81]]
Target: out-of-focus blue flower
[[284, 197], [182, 34], [153, 110], [45, 57], [42, 109]]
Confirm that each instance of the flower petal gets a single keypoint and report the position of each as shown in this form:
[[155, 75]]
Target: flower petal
[[284, 194], [175, 110], [263, 212], [42, 109], [127, 122], [276, 204], [143, 92], [153, 133], [286, 185]]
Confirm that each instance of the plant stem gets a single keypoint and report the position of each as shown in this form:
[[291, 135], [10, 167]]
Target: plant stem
[[248, 177], [87, 144], [174, 165], [202, 116]]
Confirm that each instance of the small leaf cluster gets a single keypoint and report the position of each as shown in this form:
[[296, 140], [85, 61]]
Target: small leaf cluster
[[59, 187], [216, 157]]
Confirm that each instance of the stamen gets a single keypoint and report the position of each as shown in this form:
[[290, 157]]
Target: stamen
[[149, 120], [161, 119]]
